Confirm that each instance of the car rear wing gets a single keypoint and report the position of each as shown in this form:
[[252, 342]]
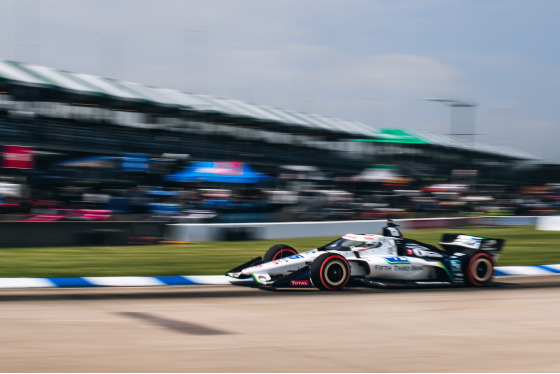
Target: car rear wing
[[453, 242]]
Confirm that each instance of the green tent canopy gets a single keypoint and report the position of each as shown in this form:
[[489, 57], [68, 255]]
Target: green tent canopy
[[395, 136]]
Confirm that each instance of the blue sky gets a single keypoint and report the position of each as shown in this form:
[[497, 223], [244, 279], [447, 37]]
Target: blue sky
[[364, 60]]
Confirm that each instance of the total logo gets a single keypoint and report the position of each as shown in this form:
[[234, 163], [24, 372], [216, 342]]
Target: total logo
[[299, 283]]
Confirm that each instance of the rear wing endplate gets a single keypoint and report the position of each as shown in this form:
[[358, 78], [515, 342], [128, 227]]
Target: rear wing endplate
[[453, 241]]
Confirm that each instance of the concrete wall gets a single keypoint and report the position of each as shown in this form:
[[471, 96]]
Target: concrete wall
[[549, 223], [70, 233], [280, 230], [15, 234]]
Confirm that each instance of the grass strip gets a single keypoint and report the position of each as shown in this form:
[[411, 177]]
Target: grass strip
[[524, 246]]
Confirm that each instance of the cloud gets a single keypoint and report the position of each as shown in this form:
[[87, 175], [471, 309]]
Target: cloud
[[325, 80], [361, 60], [330, 69], [404, 73]]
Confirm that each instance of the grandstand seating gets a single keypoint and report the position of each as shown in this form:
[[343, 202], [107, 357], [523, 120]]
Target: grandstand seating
[[73, 113]]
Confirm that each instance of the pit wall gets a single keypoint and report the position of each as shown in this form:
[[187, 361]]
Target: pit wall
[[280, 230], [66, 233], [20, 234]]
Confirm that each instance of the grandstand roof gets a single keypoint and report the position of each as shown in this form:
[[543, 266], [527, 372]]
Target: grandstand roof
[[401, 136], [84, 84], [21, 74]]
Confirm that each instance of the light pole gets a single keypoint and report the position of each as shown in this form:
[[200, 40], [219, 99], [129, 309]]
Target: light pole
[[462, 121]]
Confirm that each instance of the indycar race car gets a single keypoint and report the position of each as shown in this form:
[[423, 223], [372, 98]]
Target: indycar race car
[[376, 260]]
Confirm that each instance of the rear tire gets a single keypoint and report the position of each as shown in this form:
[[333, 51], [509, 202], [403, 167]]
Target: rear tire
[[330, 272], [479, 270], [278, 251]]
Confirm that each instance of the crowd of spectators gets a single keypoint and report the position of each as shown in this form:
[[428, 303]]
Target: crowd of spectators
[[286, 201]]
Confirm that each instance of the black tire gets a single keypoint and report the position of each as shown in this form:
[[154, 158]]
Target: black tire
[[479, 271], [278, 251], [330, 272]]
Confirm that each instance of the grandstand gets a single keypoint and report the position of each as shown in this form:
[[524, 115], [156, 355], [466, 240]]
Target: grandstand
[[70, 114]]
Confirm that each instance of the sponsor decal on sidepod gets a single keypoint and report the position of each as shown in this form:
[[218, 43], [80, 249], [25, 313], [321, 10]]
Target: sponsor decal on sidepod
[[299, 283]]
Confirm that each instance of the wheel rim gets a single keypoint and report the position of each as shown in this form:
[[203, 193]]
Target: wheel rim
[[481, 270], [335, 273]]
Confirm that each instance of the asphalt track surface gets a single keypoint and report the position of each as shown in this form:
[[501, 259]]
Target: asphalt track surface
[[511, 326]]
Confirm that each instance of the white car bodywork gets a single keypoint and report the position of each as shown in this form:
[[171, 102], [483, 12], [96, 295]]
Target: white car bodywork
[[369, 256]]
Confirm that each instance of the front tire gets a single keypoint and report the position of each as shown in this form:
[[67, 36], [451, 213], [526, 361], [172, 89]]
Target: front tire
[[330, 272], [479, 270], [278, 251]]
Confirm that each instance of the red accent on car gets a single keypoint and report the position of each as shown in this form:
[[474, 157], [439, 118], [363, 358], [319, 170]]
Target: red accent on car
[[299, 283], [281, 253], [322, 275]]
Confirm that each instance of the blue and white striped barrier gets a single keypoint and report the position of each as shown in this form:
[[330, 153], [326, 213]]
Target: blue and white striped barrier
[[502, 271], [117, 281], [200, 280]]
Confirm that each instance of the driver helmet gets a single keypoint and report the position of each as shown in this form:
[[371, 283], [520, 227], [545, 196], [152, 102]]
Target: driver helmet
[[370, 244]]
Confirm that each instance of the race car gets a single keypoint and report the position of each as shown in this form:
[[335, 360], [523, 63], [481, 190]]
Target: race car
[[376, 260]]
